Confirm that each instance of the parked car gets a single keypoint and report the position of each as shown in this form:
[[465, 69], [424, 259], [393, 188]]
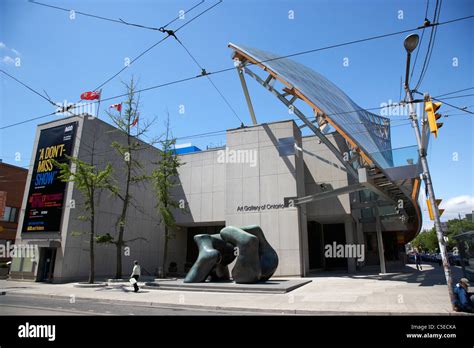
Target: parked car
[[425, 257]]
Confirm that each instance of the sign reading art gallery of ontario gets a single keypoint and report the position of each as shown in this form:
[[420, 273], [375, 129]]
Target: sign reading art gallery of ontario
[[45, 202]]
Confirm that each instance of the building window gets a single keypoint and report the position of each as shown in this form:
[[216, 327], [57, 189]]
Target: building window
[[286, 146], [10, 214]]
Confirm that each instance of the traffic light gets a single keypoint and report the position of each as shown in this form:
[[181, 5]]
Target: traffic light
[[430, 209], [431, 109]]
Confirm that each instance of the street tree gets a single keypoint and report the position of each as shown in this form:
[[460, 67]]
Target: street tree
[[89, 181], [131, 129], [164, 178]]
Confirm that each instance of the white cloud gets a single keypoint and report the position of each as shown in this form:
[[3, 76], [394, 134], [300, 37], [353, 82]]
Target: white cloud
[[455, 206], [8, 60], [458, 205], [8, 49]]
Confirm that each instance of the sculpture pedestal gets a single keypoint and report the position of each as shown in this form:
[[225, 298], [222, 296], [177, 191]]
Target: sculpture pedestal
[[274, 286]]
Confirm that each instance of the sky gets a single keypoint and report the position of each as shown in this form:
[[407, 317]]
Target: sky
[[50, 51]]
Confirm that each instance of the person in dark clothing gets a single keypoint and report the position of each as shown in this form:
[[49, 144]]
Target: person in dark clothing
[[464, 301], [418, 261], [136, 275]]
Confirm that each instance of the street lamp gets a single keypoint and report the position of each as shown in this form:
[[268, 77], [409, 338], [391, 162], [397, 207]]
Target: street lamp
[[410, 43]]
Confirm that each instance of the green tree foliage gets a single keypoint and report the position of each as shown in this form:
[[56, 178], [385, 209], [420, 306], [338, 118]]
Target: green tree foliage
[[89, 180], [131, 127], [164, 178], [428, 241]]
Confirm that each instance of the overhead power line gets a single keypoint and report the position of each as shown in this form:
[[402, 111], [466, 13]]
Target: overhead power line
[[28, 87], [454, 106], [119, 20], [431, 43], [421, 40], [203, 72], [263, 61], [460, 90], [169, 34]]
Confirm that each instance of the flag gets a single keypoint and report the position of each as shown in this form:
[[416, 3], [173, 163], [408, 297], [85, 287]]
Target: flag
[[117, 106], [135, 121], [90, 95]]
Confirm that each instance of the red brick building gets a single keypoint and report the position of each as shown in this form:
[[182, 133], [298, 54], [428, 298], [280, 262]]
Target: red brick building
[[12, 182]]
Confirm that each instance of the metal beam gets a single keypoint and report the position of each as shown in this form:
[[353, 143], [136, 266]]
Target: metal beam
[[363, 205], [378, 228], [308, 123], [246, 93], [328, 194], [368, 183]]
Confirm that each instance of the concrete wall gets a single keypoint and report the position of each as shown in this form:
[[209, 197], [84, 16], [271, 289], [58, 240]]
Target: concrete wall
[[94, 137], [215, 187], [202, 185], [273, 178], [323, 168]]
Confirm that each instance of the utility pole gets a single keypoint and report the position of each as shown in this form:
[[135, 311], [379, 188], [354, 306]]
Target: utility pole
[[410, 44]]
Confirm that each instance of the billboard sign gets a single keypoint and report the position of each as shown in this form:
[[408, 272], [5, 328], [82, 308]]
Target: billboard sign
[[45, 201]]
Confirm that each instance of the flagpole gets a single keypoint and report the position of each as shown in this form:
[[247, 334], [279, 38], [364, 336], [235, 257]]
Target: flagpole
[[98, 104]]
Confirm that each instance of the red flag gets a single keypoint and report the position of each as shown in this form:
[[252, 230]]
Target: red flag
[[117, 106], [135, 121], [90, 95]]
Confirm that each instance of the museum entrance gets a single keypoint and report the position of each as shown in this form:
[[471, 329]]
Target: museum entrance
[[191, 247], [46, 264], [320, 235]]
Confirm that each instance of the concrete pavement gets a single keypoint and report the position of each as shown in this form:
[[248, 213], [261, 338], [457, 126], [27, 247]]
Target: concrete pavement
[[407, 292]]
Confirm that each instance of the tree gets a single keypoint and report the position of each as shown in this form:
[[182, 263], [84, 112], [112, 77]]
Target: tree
[[89, 181], [134, 173], [428, 241], [164, 178]]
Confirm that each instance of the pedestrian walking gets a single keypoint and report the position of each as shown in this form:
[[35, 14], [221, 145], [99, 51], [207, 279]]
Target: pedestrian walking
[[136, 272], [418, 261]]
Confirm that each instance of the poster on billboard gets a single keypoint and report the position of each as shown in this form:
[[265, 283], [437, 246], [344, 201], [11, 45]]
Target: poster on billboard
[[45, 201]]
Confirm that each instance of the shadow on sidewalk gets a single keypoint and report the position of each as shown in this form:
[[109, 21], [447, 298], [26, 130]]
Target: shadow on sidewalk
[[120, 287], [431, 275]]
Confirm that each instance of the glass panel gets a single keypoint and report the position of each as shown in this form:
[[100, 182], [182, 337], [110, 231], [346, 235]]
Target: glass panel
[[371, 132], [402, 156], [13, 215], [286, 146], [27, 264], [16, 264], [6, 215]]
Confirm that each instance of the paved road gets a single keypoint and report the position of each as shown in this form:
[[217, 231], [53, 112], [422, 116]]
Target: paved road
[[14, 304]]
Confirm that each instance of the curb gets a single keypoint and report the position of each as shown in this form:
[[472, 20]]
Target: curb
[[265, 311], [89, 286]]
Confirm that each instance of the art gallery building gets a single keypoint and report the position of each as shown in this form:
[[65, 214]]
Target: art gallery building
[[299, 188]]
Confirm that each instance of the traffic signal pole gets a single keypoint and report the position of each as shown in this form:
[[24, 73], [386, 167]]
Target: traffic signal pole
[[429, 185]]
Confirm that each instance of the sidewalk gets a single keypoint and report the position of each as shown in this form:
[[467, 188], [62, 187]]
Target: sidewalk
[[408, 292]]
